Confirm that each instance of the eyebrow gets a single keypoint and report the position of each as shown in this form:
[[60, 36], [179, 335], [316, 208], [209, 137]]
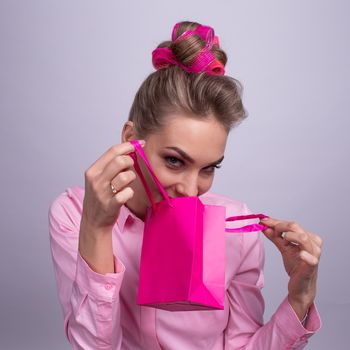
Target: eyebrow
[[188, 158]]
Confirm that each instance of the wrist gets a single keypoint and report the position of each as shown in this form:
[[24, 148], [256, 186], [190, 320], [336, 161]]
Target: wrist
[[300, 306], [95, 247], [94, 232]]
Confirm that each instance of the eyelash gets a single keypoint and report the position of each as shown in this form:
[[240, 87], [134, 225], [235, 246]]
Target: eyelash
[[213, 167]]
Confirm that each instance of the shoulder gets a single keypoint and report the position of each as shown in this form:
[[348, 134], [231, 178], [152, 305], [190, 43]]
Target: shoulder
[[66, 208], [72, 198]]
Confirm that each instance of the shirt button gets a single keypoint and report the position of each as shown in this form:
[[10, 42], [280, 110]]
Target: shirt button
[[304, 337], [108, 286]]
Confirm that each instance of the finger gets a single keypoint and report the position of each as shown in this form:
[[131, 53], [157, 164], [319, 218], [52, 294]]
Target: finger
[[280, 226], [123, 196], [317, 239], [123, 179], [308, 258], [302, 239], [277, 240], [115, 150], [271, 233], [317, 249], [114, 167], [276, 228], [271, 222]]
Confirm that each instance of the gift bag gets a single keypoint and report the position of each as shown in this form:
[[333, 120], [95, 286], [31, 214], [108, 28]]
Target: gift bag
[[182, 264]]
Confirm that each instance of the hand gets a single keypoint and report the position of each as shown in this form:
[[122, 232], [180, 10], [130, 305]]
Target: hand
[[301, 251], [101, 207]]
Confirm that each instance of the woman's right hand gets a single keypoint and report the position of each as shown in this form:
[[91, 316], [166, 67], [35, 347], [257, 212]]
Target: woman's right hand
[[101, 207]]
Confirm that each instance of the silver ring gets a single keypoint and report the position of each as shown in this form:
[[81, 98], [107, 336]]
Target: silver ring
[[114, 190]]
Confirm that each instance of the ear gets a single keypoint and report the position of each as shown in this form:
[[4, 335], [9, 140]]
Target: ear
[[128, 132]]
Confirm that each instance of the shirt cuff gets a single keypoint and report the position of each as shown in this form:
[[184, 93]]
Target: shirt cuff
[[101, 287], [288, 321]]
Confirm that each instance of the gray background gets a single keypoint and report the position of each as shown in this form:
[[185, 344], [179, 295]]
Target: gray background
[[69, 71]]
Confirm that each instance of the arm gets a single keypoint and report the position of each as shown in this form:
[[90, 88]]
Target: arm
[[89, 300], [245, 329]]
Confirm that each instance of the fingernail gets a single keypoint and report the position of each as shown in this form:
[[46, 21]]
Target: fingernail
[[142, 142], [264, 219]]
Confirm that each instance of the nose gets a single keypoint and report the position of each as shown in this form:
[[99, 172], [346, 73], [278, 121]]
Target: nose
[[187, 188]]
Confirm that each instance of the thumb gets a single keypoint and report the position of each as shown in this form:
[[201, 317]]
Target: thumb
[[273, 235]]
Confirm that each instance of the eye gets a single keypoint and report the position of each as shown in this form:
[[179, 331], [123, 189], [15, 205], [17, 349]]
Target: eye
[[211, 169], [176, 163], [173, 162]]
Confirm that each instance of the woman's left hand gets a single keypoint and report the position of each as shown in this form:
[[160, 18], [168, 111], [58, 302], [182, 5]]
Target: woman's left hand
[[301, 251]]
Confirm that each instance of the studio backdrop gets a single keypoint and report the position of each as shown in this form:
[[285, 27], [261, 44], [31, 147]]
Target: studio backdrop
[[69, 71]]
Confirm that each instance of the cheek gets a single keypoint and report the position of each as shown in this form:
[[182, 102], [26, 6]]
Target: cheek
[[168, 181], [166, 177], [205, 184]]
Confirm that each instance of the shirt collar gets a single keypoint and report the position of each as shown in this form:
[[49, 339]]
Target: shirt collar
[[124, 215]]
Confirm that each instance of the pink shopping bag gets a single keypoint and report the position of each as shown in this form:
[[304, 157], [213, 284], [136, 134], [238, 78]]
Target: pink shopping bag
[[183, 250]]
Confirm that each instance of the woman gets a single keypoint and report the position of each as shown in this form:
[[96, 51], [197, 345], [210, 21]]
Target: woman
[[182, 114]]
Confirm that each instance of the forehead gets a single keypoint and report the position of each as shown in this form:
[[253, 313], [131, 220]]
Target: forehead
[[202, 139]]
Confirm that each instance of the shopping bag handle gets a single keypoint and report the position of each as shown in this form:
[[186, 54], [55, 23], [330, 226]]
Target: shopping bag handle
[[247, 228], [142, 154]]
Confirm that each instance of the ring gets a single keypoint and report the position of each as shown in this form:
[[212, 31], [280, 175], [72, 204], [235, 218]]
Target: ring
[[114, 190]]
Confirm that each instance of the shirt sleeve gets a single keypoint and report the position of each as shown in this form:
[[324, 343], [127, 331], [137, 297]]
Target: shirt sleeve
[[89, 300], [246, 328]]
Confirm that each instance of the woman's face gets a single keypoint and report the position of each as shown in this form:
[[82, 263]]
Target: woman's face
[[184, 155]]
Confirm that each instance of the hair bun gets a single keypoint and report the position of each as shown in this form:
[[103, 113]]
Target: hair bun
[[194, 47]]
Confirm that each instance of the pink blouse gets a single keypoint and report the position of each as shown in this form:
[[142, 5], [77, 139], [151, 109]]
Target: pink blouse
[[101, 311]]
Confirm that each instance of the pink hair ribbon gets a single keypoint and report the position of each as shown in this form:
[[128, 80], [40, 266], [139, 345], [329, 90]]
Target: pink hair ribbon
[[205, 61]]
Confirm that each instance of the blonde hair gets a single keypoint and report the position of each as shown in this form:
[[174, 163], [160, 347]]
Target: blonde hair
[[172, 90]]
